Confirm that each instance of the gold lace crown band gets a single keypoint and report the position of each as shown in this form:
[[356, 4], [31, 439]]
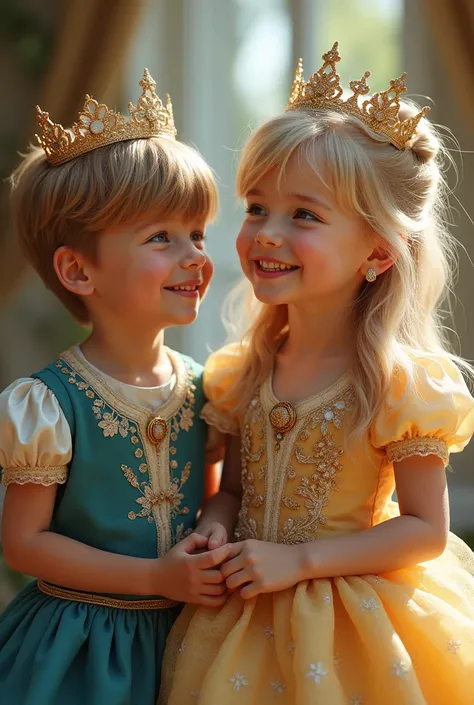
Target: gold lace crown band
[[97, 125], [380, 112]]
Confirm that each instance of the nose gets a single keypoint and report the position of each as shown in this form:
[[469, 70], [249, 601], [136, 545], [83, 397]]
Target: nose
[[194, 258], [269, 238]]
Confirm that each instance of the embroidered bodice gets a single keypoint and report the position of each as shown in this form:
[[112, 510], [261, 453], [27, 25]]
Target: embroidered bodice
[[310, 483], [130, 476]]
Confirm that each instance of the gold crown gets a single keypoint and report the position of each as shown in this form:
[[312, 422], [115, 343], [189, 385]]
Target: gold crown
[[380, 113], [97, 125]]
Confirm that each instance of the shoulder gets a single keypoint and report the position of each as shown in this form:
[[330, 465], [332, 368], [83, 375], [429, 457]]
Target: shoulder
[[428, 398]]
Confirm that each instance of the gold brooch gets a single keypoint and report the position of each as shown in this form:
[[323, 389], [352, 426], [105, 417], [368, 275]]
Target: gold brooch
[[282, 419], [156, 430]]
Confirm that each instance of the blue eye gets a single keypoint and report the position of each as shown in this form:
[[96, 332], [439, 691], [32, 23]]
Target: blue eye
[[159, 237], [198, 237], [255, 209], [302, 214]]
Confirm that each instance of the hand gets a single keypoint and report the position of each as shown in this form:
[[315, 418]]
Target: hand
[[261, 566], [215, 533], [185, 577]]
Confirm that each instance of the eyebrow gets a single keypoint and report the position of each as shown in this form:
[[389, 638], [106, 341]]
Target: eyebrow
[[298, 197]]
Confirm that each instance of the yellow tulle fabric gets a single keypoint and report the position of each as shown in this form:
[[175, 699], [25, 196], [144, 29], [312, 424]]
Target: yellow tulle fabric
[[400, 638]]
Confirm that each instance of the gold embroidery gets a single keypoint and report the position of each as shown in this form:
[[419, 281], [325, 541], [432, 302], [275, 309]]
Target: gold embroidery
[[180, 407], [316, 489], [54, 475], [181, 534], [150, 499], [420, 445], [246, 525]]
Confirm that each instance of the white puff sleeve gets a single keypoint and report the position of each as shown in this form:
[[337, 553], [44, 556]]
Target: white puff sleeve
[[35, 438]]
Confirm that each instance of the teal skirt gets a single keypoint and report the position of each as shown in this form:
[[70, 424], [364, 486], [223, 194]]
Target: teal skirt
[[59, 652]]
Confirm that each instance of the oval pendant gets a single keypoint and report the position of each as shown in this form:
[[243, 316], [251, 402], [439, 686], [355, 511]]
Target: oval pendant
[[156, 430]]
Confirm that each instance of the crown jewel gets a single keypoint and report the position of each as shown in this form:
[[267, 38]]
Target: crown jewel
[[97, 125], [380, 112]]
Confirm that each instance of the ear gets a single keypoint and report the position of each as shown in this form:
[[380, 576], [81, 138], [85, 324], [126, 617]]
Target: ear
[[71, 269], [381, 258]]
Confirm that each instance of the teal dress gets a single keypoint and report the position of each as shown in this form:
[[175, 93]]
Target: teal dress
[[133, 486]]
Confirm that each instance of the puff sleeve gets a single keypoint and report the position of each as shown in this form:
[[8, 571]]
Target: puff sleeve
[[35, 438], [220, 371], [428, 411]]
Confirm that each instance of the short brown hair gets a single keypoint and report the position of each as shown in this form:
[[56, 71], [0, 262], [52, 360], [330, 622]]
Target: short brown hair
[[72, 203]]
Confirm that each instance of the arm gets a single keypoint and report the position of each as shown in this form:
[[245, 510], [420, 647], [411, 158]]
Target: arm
[[418, 535], [30, 547], [219, 514]]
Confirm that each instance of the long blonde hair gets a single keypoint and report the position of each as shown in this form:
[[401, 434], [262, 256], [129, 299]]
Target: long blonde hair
[[403, 197]]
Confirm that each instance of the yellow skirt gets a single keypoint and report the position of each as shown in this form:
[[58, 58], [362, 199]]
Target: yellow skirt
[[402, 638]]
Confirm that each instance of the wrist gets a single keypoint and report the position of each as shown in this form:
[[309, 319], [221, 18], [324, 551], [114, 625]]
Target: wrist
[[308, 561]]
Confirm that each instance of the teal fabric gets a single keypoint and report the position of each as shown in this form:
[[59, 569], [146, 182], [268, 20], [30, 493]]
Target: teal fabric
[[59, 652]]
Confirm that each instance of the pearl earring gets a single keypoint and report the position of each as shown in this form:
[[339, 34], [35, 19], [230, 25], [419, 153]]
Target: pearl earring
[[371, 275]]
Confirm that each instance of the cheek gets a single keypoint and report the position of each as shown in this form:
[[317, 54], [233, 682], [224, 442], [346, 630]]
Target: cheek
[[244, 242], [207, 271]]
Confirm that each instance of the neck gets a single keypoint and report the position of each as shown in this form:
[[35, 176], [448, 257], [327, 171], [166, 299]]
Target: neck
[[137, 358], [322, 332]]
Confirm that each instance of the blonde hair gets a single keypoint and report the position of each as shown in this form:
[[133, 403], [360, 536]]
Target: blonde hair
[[402, 196], [123, 182]]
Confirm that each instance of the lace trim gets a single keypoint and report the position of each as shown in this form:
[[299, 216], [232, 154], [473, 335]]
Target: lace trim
[[400, 450], [222, 421], [54, 475]]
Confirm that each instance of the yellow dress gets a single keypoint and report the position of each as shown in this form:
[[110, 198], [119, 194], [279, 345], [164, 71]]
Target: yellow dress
[[399, 638]]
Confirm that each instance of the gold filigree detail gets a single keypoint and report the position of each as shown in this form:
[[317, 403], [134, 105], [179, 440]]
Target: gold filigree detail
[[47, 476], [246, 525], [150, 499], [97, 125], [316, 489], [380, 112], [420, 445]]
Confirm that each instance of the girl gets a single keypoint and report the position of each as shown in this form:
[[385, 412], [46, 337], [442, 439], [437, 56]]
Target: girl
[[103, 450], [342, 390]]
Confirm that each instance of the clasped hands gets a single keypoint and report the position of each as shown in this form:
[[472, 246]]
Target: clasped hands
[[253, 567]]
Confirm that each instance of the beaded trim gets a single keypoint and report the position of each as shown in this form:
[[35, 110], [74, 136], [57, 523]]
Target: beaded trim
[[103, 601]]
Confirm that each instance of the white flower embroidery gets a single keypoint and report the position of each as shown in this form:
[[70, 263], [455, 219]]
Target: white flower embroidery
[[268, 631], [195, 694], [316, 671], [182, 648], [370, 605], [400, 669], [356, 700], [291, 648], [277, 687], [454, 645], [327, 598], [238, 681]]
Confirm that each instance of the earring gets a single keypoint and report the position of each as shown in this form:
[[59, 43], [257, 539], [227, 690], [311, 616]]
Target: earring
[[371, 275]]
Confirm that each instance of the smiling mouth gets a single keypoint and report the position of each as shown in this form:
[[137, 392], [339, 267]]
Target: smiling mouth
[[272, 268], [187, 290]]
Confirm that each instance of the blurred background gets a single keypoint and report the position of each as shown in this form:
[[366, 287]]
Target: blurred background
[[228, 64]]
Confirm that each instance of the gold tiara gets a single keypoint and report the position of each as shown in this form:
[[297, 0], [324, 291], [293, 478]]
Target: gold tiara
[[97, 125], [380, 113]]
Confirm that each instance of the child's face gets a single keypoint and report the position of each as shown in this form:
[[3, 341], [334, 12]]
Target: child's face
[[297, 246], [153, 273]]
